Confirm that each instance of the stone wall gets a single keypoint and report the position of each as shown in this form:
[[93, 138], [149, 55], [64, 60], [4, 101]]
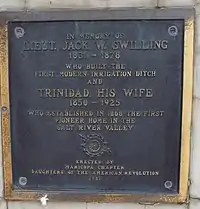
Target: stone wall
[[194, 201]]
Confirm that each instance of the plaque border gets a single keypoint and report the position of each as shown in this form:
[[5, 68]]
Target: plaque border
[[126, 13]]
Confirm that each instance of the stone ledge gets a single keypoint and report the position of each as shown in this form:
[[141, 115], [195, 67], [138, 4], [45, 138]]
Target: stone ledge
[[132, 3], [47, 4], [194, 204], [195, 153], [133, 206], [3, 204], [175, 3], [34, 4], [114, 206], [50, 205], [11, 5], [197, 54]]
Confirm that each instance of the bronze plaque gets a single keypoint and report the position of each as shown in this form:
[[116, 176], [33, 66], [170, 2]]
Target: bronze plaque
[[96, 108]]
